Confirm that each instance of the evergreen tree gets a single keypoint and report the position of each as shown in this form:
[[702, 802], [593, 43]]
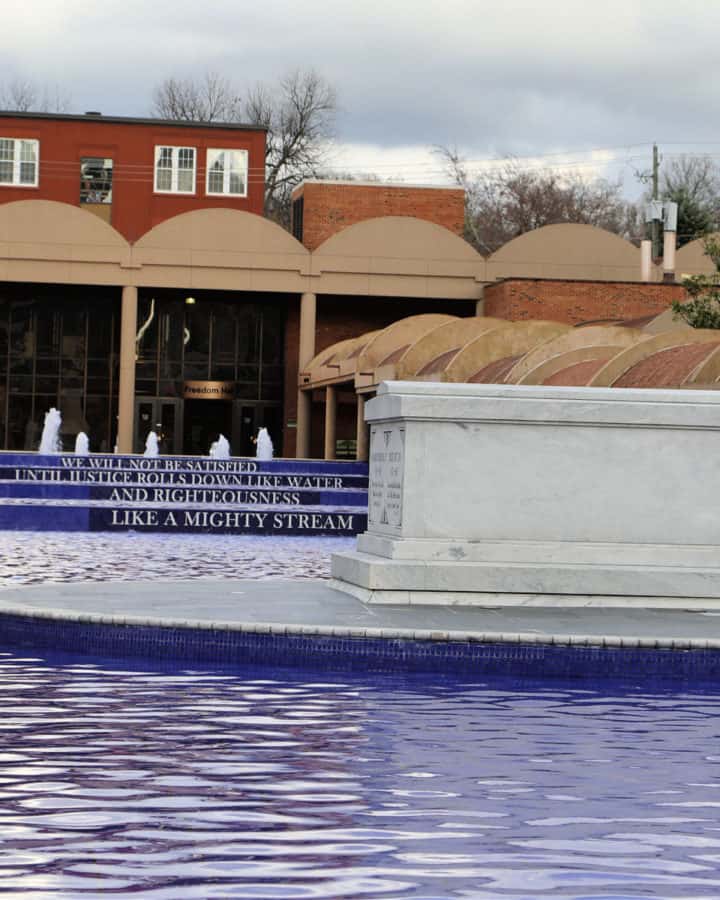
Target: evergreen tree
[[703, 308]]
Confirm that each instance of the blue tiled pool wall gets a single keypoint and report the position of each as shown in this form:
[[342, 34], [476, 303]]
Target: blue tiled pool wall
[[64, 492], [207, 645]]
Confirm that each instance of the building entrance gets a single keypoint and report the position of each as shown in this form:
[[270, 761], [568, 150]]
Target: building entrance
[[205, 421], [217, 360], [248, 418], [163, 415]]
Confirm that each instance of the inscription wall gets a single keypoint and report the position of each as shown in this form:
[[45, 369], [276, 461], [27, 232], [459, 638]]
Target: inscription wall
[[387, 461]]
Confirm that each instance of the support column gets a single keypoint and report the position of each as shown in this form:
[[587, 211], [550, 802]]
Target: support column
[[330, 420], [306, 351], [126, 388], [302, 430], [361, 433]]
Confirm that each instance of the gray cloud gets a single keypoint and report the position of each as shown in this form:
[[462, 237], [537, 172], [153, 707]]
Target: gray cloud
[[519, 77]]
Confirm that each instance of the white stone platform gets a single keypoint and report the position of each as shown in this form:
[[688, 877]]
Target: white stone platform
[[495, 495]]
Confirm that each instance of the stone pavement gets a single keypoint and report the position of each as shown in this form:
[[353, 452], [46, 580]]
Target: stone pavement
[[315, 607]]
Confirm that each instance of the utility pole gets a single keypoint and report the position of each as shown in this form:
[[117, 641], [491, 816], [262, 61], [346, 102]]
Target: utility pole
[[655, 233]]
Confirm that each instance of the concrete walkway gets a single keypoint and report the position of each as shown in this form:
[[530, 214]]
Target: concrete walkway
[[314, 607]]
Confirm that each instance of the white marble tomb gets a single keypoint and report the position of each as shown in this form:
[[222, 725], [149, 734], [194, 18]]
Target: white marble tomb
[[495, 495]]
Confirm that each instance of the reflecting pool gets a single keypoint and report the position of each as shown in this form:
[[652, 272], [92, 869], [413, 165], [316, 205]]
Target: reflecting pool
[[35, 558], [126, 781]]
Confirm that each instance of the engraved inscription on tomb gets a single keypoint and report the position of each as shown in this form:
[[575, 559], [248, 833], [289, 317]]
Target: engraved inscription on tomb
[[387, 456]]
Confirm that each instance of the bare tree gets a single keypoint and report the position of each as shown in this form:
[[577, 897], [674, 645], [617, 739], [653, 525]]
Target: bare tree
[[298, 113], [299, 116], [211, 99], [23, 95], [19, 95], [509, 200]]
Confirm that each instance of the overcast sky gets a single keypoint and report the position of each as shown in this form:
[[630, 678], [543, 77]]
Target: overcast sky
[[508, 77]]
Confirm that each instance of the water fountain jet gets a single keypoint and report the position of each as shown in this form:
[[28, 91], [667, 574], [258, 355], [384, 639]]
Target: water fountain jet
[[264, 445], [220, 449], [151, 445], [50, 440], [82, 444]]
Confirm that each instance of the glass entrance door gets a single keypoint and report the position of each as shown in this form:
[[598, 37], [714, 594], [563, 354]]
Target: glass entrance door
[[248, 418], [162, 415]]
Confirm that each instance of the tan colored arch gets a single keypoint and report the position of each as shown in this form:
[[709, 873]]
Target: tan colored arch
[[398, 256], [570, 347], [566, 251], [49, 222], [221, 231], [400, 238], [222, 249], [626, 359], [508, 340], [444, 338], [692, 259], [42, 240], [396, 336]]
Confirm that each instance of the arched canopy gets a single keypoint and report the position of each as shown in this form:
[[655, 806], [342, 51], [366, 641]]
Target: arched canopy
[[576, 345], [450, 337], [623, 369], [566, 251], [506, 342], [531, 352], [396, 338], [336, 362]]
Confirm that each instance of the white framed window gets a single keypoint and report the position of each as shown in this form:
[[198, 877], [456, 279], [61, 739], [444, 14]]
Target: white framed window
[[227, 172], [19, 162], [175, 170]]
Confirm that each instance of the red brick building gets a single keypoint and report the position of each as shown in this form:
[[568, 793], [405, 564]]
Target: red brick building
[[322, 208], [132, 173]]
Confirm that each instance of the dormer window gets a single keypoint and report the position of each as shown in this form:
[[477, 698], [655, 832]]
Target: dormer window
[[227, 172], [175, 170], [19, 162]]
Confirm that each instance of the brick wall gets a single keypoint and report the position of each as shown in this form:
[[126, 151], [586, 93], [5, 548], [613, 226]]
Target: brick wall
[[573, 302], [328, 206]]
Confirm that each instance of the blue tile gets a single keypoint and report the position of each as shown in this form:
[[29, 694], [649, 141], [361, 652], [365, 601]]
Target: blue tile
[[361, 654]]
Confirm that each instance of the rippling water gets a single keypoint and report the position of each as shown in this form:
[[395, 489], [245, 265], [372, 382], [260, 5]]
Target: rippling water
[[32, 558], [125, 782]]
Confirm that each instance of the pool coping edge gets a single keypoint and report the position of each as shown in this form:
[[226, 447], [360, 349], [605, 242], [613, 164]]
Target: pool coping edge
[[339, 631]]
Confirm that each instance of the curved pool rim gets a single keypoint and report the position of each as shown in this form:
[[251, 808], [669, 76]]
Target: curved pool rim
[[343, 648]]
